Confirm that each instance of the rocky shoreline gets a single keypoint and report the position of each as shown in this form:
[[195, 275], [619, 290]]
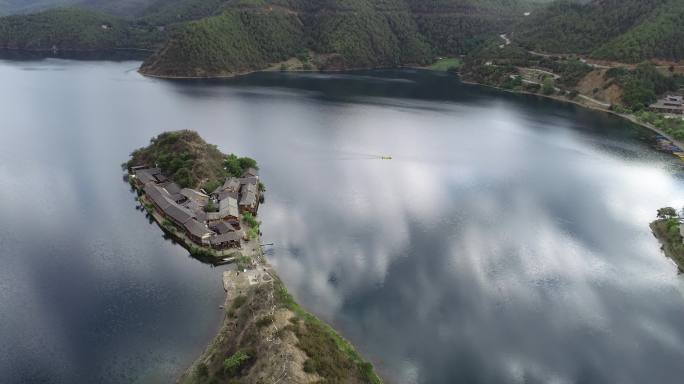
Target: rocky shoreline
[[629, 118]]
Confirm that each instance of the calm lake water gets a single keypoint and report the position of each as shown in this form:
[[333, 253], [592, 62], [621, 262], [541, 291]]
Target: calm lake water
[[506, 242]]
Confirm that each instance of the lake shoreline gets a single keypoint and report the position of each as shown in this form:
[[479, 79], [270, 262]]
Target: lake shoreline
[[629, 118], [233, 75]]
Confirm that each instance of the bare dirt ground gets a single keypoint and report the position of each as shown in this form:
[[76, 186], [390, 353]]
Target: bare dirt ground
[[258, 326], [593, 84]]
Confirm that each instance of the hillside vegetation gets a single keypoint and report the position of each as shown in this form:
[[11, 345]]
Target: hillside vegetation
[[267, 337], [188, 160], [235, 41], [341, 34], [227, 37], [626, 88], [165, 12], [660, 35], [641, 86], [624, 30], [74, 29], [344, 34]]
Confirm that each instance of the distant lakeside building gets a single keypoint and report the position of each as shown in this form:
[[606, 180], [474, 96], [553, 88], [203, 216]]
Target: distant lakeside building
[[669, 104]]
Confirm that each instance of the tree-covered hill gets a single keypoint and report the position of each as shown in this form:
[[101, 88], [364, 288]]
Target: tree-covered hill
[[224, 37], [458, 26], [190, 161], [74, 29], [660, 35], [626, 30], [330, 34], [232, 42]]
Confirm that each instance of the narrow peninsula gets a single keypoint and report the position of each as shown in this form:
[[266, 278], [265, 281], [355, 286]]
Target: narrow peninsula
[[208, 202]]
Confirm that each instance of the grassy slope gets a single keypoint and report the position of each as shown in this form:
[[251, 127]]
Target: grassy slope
[[74, 29], [444, 65], [330, 356], [257, 316]]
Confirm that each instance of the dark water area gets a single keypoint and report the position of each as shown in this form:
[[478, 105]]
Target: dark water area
[[507, 240]]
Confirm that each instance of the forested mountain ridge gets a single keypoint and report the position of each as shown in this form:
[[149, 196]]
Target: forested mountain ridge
[[224, 37], [623, 30], [338, 34], [330, 34], [75, 29], [660, 35], [232, 42]]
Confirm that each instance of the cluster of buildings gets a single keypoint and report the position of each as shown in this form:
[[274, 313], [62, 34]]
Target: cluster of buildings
[[211, 220], [669, 104]]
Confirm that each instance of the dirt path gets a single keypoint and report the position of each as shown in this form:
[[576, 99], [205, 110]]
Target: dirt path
[[591, 99], [506, 40]]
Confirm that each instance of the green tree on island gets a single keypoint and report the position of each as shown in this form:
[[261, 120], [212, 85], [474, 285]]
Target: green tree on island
[[236, 166], [667, 213], [232, 364]]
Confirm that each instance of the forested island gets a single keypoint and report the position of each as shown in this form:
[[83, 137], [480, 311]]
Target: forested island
[[208, 201]]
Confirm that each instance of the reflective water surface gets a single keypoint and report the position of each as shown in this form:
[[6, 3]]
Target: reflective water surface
[[506, 241]]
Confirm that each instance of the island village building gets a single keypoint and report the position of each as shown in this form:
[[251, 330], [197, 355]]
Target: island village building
[[208, 220]]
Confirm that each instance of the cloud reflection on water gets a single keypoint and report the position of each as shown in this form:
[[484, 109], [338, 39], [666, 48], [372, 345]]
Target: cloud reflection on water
[[506, 241], [507, 253]]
